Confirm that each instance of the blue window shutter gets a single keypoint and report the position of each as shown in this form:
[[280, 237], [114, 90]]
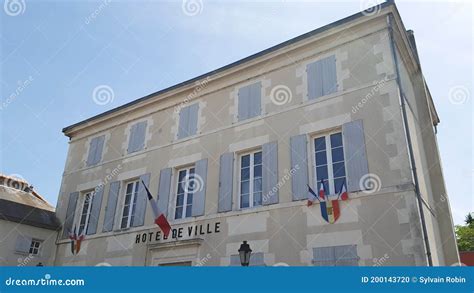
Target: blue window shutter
[[70, 212], [23, 244], [111, 206], [132, 139], [270, 173], [299, 163], [183, 122], [324, 256], [255, 100], [99, 148], [164, 190], [199, 196], [92, 152], [354, 153], [244, 103], [137, 137], [140, 208], [329, 75], [315, 80], [193, 119], [95, 211], [226, 174]]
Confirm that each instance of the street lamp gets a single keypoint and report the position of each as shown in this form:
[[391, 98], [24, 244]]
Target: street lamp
[[244, 253]]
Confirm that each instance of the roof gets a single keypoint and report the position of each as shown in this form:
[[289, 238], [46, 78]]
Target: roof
[[239, 62]]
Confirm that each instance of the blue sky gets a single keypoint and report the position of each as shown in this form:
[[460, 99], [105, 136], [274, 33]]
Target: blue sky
[[54, 53]]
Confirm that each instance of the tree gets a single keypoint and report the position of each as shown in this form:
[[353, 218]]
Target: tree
[[465, 234]]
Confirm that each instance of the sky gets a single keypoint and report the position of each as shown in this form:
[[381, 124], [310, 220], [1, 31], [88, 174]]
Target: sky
[[55, 53]]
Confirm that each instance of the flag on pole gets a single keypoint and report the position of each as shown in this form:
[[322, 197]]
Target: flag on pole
[[312, 197], [160, 218], [73, 237], [343, 193], [321, 190], [79, 240]]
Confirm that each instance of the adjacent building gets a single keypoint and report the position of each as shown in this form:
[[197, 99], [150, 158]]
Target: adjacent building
[[230, 155], [28, 225]]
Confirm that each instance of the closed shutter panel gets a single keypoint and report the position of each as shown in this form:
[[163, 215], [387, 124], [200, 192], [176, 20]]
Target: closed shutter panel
[[193, 119], [315, 81], [324, 256], [354, 153], [111, 206], [132, 139], [199, 196], [226, 176], [346, 255], [140, 207], [164, 190], [70, 212], [99, 148], [92, 152], [270, 173], [244, 103], [329, 75], [23, 244], [183, 122], [137, 137], [299, 164], [255, 100], [95, 211]]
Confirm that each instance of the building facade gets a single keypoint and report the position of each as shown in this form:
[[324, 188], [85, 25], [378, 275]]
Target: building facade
[[230, 156], [28, 225]]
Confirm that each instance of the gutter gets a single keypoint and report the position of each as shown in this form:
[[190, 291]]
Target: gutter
[[409, 142]]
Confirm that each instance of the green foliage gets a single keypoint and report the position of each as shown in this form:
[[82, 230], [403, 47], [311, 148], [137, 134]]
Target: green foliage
[[465, 234]]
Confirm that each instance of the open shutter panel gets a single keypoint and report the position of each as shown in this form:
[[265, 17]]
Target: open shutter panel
[[71, 210], [199, 196], [299, 163], [329, 75], [255, 100], [226, 175], [164, 190], [244, 100], [95, 211], [23, 244], [270, 173], [98, 149], [315, 80], [111, 206], [183, 122], [92, 151], [354, 153], [140, 207], [193, 119]]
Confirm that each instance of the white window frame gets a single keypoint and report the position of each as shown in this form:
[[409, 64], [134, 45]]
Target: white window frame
[[84, 196], [327, 137], [131, 205], [186, 192], [251, 178], [32, 247]]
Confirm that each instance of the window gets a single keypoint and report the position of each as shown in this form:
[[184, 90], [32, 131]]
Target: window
[[322, 79], [329, 162], [344, 255], [250, 104], [85, 213], [35, 247], [131, 195], [184, 193], [250, 180], [137, 137], [95, 150], [188, 120]]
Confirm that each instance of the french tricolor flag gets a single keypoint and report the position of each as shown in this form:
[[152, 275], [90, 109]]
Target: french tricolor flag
[[321, 190], [160, 218], [311, 196], [343, 193]]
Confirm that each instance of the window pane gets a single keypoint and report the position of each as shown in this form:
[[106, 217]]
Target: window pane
[[124, 222], [191, 171], [257, 199], [188, 211], [338, 184], [127, 198], [137, 185], [257, 159], [189, 199], [244, 201], [337, 155], [245, 161], [178, 213], [322, 172], [336, 140], [245, 174], [129, 188], [338, 169], [257, 184], [320, 144], [321, 158], [181, 175], [257, 171], [180, 187], [244, 187], [125, 210], [180, 200]]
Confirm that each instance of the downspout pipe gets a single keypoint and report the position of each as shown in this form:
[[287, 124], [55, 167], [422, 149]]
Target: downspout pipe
[[409, 142]]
